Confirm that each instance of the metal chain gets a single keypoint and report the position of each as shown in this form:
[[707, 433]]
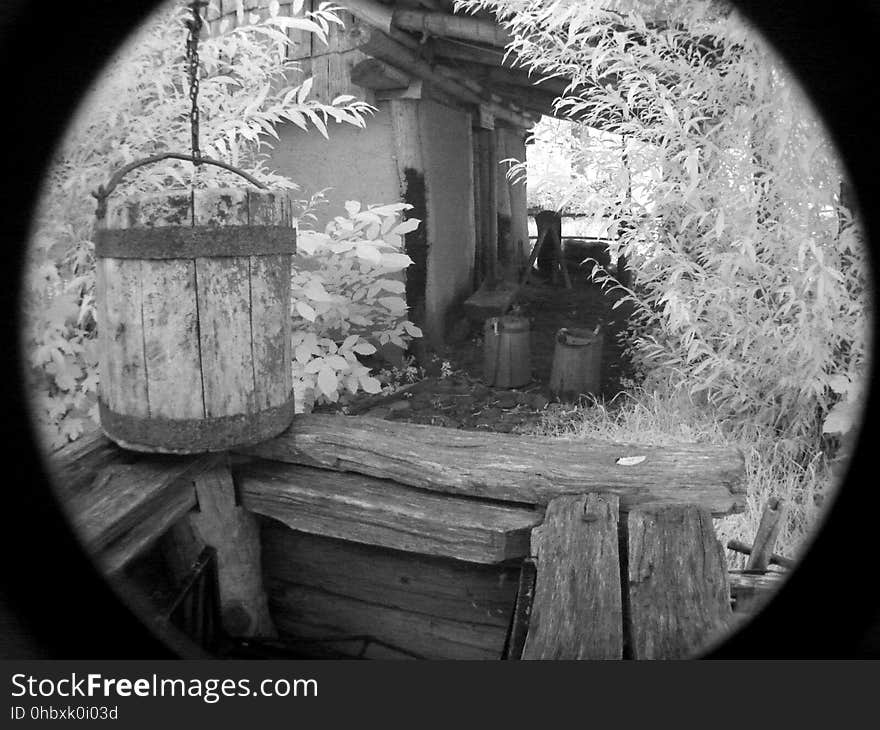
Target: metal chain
[[194, 26]]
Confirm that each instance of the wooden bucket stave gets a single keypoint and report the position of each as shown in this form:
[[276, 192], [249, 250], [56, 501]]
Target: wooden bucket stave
[[193, 305]]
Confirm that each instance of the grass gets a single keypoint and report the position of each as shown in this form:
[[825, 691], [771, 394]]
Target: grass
[[657, 418]]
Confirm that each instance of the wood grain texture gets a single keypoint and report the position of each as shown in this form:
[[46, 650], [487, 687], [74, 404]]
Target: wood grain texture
[[577, 609], [270, 308], [679, 597], [119, 293], [120, 503], [227, 360], [378, 512], [749, 591], [772, 519], [449, 589], [301, 612], [170, 340], [234, 534], [527, 469]]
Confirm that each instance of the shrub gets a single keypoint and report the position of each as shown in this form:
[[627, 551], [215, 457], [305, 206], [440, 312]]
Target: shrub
[[727, 199], [347, 299]]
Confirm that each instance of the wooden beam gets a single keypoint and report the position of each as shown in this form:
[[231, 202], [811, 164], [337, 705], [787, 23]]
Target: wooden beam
[[679, 599], [234, 534], [454, 26], [377, 512], [577, 609], [528, 469], [370, 12], [375, 43], [780, 560], [772, 519], [371, 73]]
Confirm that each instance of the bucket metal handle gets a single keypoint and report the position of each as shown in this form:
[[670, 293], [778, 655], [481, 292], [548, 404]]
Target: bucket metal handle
[[103, 191]]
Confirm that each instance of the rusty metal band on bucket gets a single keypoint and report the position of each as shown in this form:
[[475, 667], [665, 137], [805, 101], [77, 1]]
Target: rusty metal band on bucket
[[187, 242], [194, 435]]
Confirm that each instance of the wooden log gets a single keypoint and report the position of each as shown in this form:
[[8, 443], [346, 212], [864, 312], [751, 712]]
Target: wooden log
[[453, 26], [528, 469], [577, 610], [775, 559], [234, 534], [679, 598], [448, 589], [768, 530], [371, 73], [377, 512], [306, 612]]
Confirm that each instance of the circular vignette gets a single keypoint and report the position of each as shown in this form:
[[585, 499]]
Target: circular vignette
[[53, 51]]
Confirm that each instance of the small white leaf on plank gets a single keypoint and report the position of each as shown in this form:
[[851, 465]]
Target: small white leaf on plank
[[629, 460]]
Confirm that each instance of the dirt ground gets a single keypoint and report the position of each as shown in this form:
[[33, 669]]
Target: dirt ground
[[454, 393]]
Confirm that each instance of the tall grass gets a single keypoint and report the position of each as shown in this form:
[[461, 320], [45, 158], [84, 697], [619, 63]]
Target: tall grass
[[665, 418]]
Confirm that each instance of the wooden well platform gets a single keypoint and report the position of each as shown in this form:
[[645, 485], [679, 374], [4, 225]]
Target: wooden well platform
[[353, 536]]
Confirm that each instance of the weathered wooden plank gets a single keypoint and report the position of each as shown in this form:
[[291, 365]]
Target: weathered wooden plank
[[270, 302], [225, 335], [527, 469], [168, 508], [450, 589], [73, 466], [679, 597], [234, 534], [522, 610], [301, 611], [171, 342], [120, 503], [749, 591], [577, 610], [118, 295], [224, 300], [378, 512]]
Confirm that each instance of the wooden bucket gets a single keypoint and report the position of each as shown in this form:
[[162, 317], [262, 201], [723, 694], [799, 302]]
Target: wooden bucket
[[506, 352], [577, 364], [193, 297]]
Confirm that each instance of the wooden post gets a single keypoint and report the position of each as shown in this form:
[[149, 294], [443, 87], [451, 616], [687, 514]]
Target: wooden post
[[233, 532], [765, 538], [488, 194], [549, 223], [679, 598], [577, 611], [411, 177]]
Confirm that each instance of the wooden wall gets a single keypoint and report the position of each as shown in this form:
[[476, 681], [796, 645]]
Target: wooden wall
[[329, 64], [412, 606]]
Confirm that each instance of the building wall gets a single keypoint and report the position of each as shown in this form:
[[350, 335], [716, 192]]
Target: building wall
[[447, 156], [357, 164]]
